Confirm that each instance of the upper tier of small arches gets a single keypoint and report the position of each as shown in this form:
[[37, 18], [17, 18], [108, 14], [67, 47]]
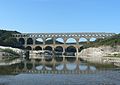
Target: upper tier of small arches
[[82, 34]]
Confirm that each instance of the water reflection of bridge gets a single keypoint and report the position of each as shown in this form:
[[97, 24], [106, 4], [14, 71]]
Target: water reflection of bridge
[[55, 67]]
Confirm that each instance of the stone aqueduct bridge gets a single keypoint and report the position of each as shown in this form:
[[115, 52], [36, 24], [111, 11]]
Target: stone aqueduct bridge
[[28, 40]]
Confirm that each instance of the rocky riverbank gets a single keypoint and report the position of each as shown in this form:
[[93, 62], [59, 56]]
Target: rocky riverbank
[[9, 55], [96, 54]]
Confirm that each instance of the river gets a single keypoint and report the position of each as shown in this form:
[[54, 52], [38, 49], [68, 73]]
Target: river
[[83, 76]]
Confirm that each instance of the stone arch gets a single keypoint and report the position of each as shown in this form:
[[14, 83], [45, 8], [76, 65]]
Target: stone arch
[[71, 49], [39, 41], [48, 48], [59, 41], [92, 39], [59, 49], [82, 39], [49, 41], [29, 41], [21, 41], [28, 48], [71, 66], [71, 41], [38, 48]]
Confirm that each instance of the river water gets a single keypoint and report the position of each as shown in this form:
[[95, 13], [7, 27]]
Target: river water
[[97, 77], [100, 78]]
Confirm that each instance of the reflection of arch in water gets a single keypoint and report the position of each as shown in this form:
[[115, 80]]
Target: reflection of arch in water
[[59, 41], [83, 67], [21, 41], [38, 48], [71, 41], [93, 68], [29, 66], [71, 66], [21, 66], [48, 67], [60, 67], [28, 48], [71, 59], [40, 67], [58, 58], [48, 59], [29, 41], [39, 41]]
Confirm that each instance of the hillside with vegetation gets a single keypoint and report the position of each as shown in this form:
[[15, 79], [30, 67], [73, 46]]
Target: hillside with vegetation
[[6, 39], [111, 41]]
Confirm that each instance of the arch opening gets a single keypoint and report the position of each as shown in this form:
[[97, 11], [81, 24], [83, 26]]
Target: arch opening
[[70, 51], [49, 41], [48, 48], [38, 48], [82, 40], [71, 41], [39, 41], [92, 39], [58, 50], [21, 41], [59, 41], [29, 41]]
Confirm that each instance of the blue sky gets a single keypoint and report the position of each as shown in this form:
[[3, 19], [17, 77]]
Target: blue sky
[[60, 15]]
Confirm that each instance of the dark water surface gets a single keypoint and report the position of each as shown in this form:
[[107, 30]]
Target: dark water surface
[[98, 78]]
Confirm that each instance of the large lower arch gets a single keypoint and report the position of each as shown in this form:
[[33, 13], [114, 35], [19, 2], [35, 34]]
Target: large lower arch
[[28, 48], [29, 41], [70, 49], [21, 41], [38, 48], [59, 49], [48, 48]]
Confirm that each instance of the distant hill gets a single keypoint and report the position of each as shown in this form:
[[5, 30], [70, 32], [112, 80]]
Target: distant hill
[[112, 41], [6, 39]]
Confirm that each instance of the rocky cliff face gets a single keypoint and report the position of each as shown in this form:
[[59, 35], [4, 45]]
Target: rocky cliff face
[[96, 53]]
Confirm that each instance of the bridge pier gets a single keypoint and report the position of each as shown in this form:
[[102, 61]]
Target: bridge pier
[[25, 66], [64, 59], [77, 67], [33, 65]]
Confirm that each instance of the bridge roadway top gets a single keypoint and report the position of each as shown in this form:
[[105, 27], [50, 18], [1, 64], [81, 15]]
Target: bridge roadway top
[[77, 34]]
